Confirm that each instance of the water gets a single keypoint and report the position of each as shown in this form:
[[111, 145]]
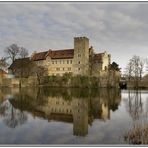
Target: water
[[69, 116]]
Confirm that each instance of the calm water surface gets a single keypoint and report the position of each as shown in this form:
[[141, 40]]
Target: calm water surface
[[69, 116]]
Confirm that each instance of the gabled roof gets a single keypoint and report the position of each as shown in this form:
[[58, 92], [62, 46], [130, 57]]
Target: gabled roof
[[17, 63], [54, 54], [39, 56]]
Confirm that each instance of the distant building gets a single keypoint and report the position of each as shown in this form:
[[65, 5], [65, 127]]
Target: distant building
[[80, 60], [17, 68], [3, 74]]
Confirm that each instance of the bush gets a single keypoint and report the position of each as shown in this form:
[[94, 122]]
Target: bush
[[67, 80]]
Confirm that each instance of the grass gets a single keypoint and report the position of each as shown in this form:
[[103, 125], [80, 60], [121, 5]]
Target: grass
[[138, 134]]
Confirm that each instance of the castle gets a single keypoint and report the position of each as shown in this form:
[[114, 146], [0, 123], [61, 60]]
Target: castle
[[79, 61]]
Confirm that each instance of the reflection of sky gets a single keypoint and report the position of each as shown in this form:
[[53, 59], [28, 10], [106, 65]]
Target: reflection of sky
[[40, 131]]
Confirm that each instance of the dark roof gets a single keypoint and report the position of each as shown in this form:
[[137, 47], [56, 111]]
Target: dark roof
[[17, 62], [39, 56], [98, 57]]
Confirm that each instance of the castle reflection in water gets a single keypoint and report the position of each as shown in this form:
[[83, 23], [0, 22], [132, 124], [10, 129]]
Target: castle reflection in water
[[77, 106]]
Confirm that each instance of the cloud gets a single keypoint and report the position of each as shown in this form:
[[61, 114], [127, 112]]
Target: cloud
[[119, 28]]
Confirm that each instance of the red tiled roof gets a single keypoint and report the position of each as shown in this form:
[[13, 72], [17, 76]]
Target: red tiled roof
[[54, 54], [62, 54], [39, 56]]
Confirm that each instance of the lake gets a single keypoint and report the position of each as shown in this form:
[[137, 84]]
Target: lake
[[69, 116]]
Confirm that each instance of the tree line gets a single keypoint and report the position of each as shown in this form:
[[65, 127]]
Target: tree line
[[135, 69]]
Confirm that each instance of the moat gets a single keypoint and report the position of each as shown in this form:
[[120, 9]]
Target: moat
[[69, 116]]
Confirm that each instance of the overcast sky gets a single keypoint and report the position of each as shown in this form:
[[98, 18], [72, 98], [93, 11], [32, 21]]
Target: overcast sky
[[121, 29]]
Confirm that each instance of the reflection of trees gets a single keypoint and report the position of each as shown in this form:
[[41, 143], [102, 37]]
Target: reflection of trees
[[103, 102], [11, 116], [135, 106]]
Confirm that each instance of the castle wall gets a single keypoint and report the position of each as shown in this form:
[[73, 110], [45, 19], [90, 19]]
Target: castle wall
[[57, 66], [96, 67], [106, 61], [60, 66]]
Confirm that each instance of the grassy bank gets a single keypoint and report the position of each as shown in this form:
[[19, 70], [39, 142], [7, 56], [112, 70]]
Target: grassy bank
[[78, 81], [67, 80]]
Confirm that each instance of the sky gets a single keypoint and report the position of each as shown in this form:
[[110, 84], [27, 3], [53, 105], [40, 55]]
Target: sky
[[120, 28]]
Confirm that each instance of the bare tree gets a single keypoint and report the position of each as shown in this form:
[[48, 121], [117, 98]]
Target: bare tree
[[12, 52], [23, 52], [128, 70], [135, 69], [141, 67], [40, 72]]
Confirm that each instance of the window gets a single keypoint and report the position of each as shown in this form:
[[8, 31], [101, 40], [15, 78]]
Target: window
[[63, 69], [78, 68], [79, 55], [52, 62], [79, 62], [70, 61], [57, 69], [67, 61], [63, 61], [56, 62], [69, 68], [105, 67]]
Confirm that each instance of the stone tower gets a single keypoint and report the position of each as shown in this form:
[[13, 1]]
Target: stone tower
[[81, 56]]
